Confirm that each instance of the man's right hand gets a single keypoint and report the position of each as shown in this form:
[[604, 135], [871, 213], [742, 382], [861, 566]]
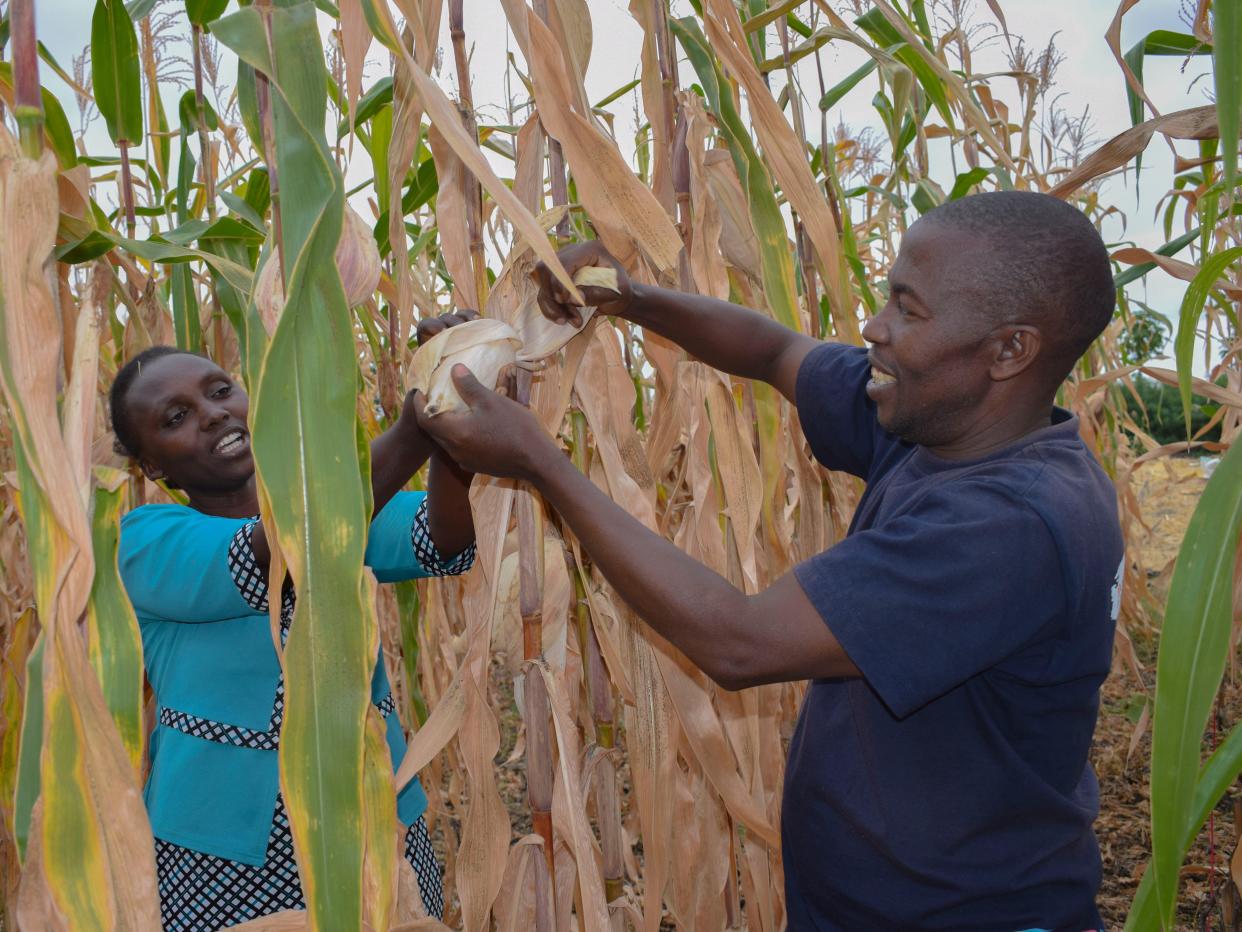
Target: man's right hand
[[554, 299]]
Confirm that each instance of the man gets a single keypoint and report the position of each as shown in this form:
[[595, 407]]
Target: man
[[957, 638]]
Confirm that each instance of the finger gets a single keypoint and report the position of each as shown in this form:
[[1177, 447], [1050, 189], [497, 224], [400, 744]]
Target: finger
[[561, 313], [428, 327], [468, 314], [420, 411], [471, 389]]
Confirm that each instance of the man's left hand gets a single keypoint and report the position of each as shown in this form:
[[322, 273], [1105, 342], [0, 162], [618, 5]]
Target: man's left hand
[[496, 436]]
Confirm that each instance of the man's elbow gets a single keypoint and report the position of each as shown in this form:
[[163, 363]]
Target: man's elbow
[[735, 673]]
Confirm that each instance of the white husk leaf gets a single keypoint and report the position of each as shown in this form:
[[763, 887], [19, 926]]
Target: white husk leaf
[[484, 346]]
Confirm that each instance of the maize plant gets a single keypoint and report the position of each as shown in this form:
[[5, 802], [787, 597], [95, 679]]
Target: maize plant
[[649, 797]]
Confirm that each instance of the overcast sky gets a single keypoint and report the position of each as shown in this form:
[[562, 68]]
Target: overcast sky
[[1088, 79]]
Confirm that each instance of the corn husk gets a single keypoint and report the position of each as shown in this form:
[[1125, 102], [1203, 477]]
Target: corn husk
[[483, 346], [357, 260], [542, 337]]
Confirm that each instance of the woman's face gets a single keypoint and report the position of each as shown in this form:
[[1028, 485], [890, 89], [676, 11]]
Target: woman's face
[[190, 420]]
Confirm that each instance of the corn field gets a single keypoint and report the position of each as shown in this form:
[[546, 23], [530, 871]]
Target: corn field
[[651, 796]]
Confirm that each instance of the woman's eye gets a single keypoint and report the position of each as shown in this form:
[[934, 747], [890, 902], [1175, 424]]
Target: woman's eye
[[223, 391], [174, 419]]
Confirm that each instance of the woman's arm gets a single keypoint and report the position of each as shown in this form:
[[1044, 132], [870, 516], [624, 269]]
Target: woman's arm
[[397, 454], [448, 505]]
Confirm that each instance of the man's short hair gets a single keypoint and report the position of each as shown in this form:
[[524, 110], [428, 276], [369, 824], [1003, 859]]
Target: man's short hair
[[1046, 265]]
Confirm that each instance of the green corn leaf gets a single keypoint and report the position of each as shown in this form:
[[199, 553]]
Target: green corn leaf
[[376, 96], [839, 90], [776, 259], [966, 181], [12, 706], [185, 309], [115, 643], [248, 105], [139, 9], [377, 146], [243, 210], [235, 301], [1194, 646], [618, 93], [1188, 318], [1218, 774], [57, 134], [115, 71], [202, 12], [258, 193], [30, 749], [1159, 42], [1227, 71], [311, 479], [882, 32]]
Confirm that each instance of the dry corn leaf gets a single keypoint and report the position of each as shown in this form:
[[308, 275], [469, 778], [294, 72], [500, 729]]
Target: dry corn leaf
[[1186, 271], [629, 219], [1195, 123]]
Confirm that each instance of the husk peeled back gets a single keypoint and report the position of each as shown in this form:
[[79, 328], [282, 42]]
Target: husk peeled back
[[542, 337], [484, 346]]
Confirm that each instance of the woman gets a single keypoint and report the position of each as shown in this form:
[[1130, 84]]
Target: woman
[[197, 576]]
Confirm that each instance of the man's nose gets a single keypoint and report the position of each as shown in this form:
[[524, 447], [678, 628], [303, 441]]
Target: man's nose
[[873, 330]]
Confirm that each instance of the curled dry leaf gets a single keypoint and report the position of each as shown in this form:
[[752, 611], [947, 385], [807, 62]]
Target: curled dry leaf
[[357, 259], [483, 346]]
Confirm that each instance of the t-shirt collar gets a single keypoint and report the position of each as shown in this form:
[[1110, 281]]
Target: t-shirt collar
[[1063, 426]]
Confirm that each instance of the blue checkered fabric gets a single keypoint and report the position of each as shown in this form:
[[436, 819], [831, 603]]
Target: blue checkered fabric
[[201, 892], [429, 556], [204, 892]]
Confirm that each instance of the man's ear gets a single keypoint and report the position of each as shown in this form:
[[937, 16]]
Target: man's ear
[[1017, 347]]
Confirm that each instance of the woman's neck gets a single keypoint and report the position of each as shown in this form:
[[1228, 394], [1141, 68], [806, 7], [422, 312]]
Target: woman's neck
[[233, 503]]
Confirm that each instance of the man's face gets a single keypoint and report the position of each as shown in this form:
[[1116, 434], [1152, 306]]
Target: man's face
[[930, 351], [190, 417]]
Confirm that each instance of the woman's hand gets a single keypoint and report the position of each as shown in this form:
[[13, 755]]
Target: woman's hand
[[495, 436], [555, 301], [428, 327]]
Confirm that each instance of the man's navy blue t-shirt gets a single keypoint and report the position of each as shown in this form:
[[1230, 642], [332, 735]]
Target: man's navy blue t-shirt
[[949, 788]]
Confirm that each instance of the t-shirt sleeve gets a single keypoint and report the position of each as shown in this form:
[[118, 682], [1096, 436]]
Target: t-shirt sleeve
[[400, 546], [837, 417], [175, 565], [964, 579]]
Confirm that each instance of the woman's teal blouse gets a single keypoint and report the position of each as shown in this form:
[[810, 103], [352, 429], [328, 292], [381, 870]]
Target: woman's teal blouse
[[209, 654]]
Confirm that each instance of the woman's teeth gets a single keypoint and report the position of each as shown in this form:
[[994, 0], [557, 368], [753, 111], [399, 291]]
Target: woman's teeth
[[881, 378], [231, 443]]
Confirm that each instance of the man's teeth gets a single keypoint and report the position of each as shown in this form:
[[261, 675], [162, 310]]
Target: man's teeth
[[882, 378], [230, 443]]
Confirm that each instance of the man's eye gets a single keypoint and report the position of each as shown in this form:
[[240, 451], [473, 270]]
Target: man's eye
[[223, 391], [174, 419]]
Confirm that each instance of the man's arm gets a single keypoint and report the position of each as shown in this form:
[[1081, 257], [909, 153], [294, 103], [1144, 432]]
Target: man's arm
[[726, 336], [739, 640]]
